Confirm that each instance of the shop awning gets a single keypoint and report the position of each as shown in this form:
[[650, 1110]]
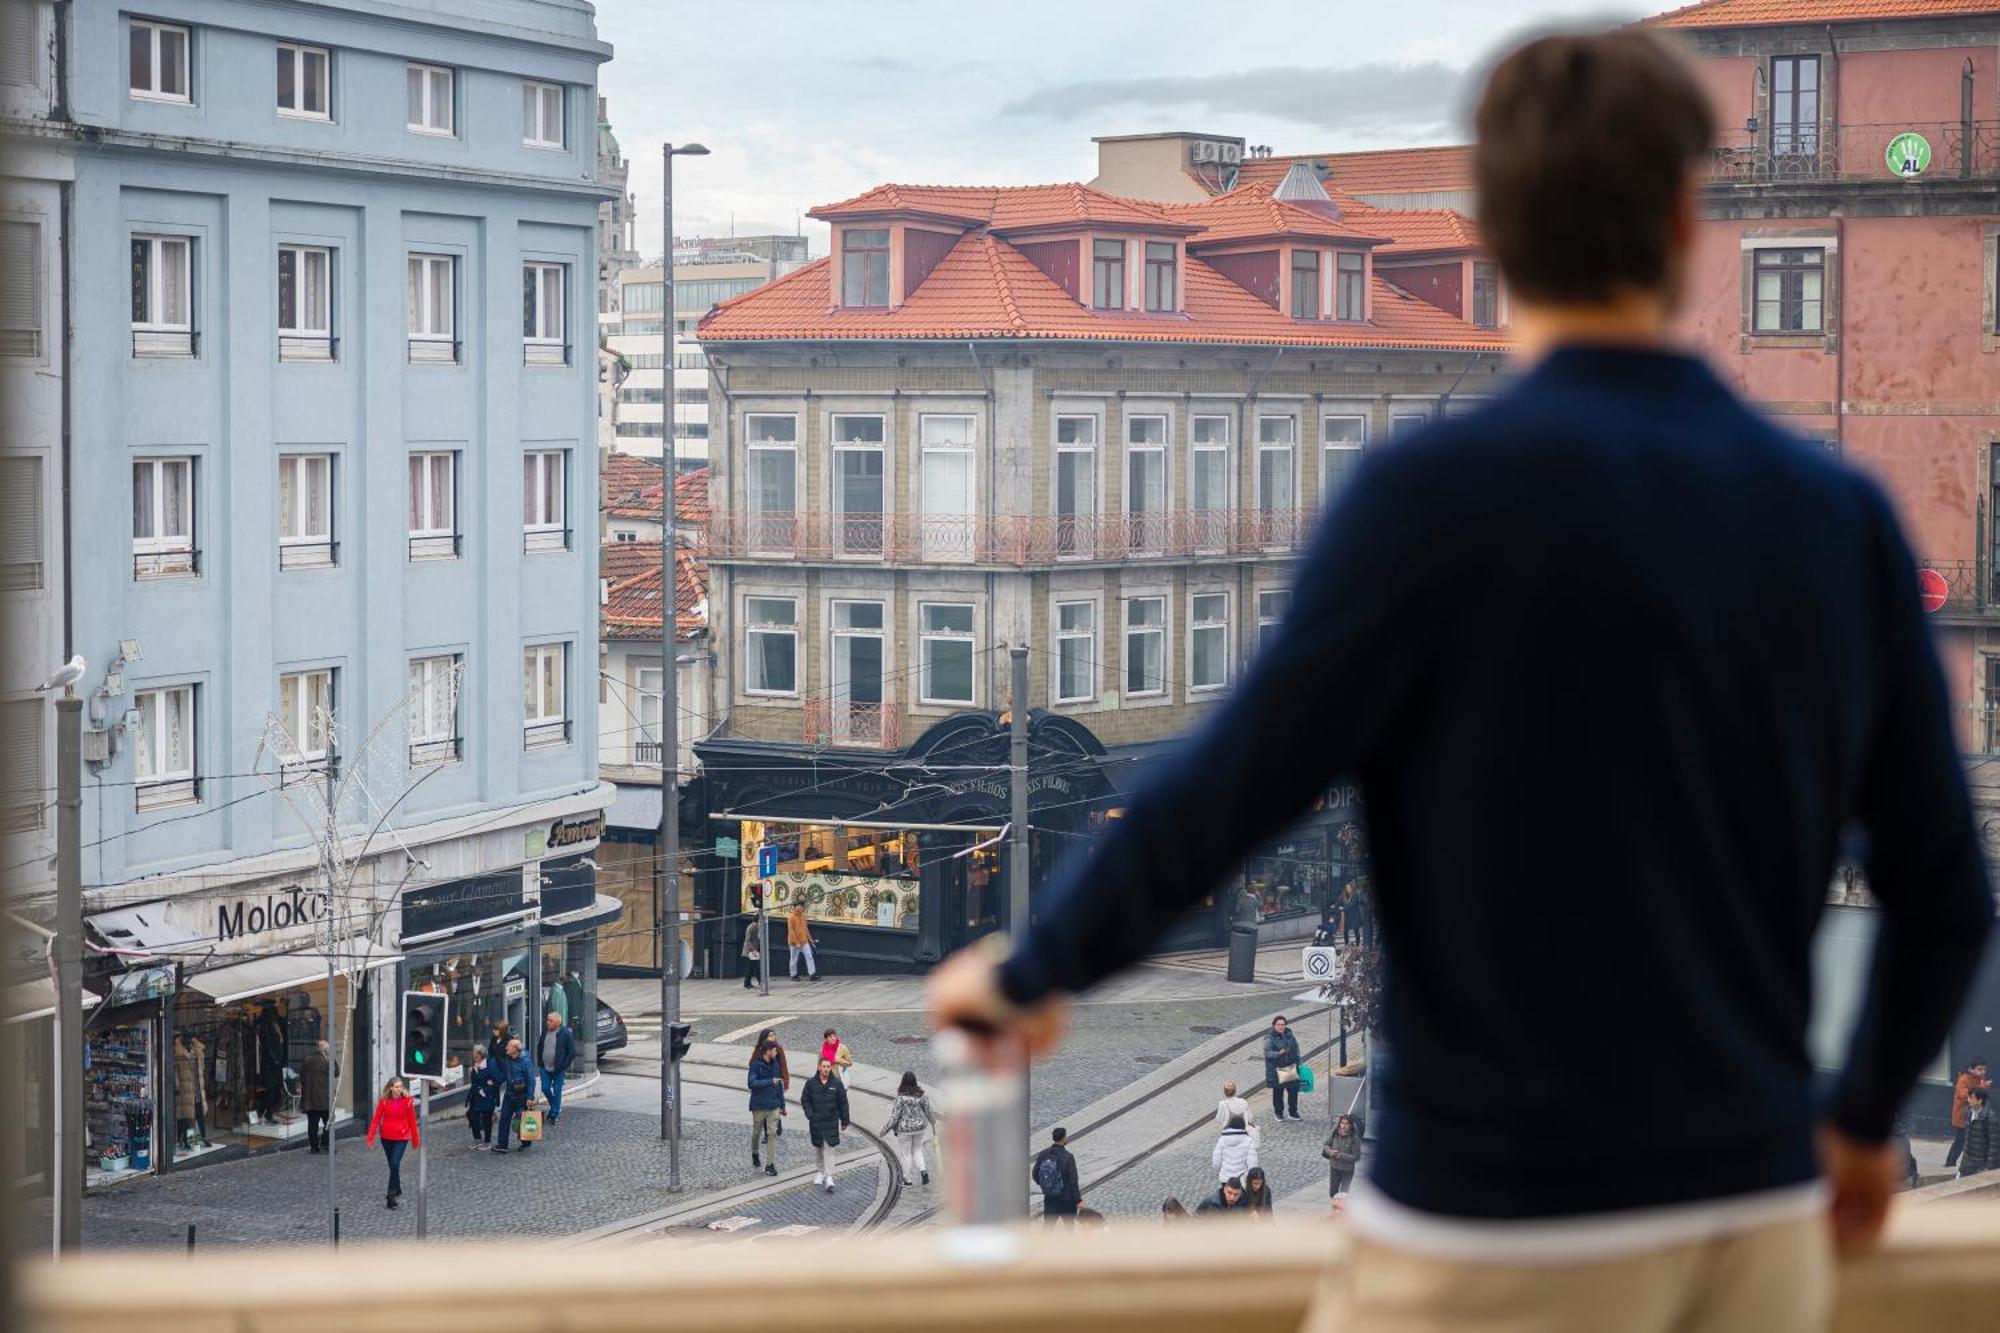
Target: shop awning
[[143, 929], [600, 913], [36, 998], [634, 807], [262, 976]]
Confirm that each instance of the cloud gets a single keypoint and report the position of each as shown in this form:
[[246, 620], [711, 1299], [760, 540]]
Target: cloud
[[1355, 97]]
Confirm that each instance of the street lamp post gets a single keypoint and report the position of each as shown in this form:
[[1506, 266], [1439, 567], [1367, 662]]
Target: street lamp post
[[670, 701]]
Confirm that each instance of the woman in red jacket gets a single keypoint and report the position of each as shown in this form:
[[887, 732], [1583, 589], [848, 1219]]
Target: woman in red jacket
[[396, 1122]]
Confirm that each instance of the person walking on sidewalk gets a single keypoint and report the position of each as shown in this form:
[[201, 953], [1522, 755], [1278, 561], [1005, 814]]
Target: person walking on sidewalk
[[911, 1120], [834, 1051], [316, 1094], [1054, 1174], [1343, 1153], [395, 1124], [1228, 1198], [1771, 715], [1281, 1068], [751, 951], [482, 1095], [784, 1067], [799, 939], [1233, 1105], [555, 1053], [1979, 1136], [1235, 1151], [517, 1092], [767, 1103], [824, 1101], [1257, 1192], [1972, 1076]]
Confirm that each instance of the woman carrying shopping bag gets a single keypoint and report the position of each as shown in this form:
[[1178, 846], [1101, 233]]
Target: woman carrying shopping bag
[[912, 1118]]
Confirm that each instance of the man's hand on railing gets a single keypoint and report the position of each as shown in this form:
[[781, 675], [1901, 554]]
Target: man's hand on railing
[[964, 993], [1862, 1178]]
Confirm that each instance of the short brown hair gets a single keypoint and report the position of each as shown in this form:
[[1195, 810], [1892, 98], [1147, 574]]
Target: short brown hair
[[1585, 142]]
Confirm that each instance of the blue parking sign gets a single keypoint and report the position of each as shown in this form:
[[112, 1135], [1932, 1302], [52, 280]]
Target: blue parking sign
[[767, 860]]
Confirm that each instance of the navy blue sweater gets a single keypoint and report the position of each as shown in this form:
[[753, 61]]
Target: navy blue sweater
[[1615, 663]]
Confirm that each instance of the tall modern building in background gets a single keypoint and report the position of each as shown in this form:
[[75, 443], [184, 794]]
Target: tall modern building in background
[[328, 276]]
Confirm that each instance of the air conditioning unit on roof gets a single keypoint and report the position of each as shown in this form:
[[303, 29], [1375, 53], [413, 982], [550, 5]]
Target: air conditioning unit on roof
[[1206, 150]]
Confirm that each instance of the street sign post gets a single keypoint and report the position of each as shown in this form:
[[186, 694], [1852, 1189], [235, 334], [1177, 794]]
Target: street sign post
[[767, 860]]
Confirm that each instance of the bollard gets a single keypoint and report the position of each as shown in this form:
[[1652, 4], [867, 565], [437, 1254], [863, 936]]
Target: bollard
[[190, 1238], [336, 1228], [985, 1183]]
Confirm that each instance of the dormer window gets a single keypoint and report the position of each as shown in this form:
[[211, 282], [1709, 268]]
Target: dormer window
[[864, 267], [1350, 291], [1485, 294], [1107, 275], [1305, 284], [1160, 294]]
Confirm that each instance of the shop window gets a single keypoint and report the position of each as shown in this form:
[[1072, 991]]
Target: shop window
[[489, 1001], [947, 654], [771, 645], [1145, 647], [843, 875], [569, 991], [118, 1101], [1076, 652]]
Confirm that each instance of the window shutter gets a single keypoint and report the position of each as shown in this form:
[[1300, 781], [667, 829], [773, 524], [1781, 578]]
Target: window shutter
[[20, 289], [21, 765], [21, 48], [20, 523]]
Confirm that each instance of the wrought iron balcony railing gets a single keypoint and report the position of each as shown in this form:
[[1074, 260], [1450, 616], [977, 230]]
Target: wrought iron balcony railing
[[1921, 151], [1009, 539], [838, 720]]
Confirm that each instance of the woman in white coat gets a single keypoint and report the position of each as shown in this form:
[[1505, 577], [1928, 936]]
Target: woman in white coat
[[1235, 1151]]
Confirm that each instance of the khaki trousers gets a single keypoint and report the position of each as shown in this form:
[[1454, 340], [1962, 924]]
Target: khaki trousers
[[1776, 1278]]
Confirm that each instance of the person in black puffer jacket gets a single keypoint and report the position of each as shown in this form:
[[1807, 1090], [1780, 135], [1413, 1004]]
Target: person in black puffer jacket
[[824, 1100], [1979, 1136]]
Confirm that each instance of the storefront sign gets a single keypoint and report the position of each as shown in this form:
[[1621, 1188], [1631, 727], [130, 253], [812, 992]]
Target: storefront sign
[[463, 902], [577, 834], [1000, 788], [238, 918], [517, 988]]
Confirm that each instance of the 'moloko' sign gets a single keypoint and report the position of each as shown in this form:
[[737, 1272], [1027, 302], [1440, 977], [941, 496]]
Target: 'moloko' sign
[[284, 910]]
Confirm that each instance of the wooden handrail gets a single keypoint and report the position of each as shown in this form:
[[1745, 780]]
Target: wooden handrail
[[1939, 1268]]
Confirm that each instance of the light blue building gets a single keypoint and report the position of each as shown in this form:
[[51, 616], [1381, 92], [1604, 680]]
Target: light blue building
[[332, 440]]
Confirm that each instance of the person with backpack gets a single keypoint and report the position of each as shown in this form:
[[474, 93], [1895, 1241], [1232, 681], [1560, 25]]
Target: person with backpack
[[767, 1103], [910, 1120], [1055, 1176], [1235, 1151], [770, 1035], [824, 1100], [1979, 1136]]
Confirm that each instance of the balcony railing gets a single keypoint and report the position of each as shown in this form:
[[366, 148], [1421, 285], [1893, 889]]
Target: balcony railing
[[645, 752], [1010, 539], [1958, 149], [842, 721], [1962, 588]]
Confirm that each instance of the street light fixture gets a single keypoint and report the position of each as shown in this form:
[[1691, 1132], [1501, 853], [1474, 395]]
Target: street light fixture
[[670, 822]]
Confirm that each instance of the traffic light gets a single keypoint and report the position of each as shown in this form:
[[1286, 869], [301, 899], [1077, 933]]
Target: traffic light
[[680, 1036], [756, 897], [423, 1034]]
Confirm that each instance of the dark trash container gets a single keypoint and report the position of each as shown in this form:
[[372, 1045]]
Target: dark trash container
[[1243, 953]]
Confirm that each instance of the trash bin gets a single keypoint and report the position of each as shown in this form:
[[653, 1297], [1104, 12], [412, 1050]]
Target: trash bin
[[1243, 953]]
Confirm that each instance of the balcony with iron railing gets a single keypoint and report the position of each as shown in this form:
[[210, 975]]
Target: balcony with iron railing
[[1922, 151], [1959, 592], [1009, 539], [848, 723]]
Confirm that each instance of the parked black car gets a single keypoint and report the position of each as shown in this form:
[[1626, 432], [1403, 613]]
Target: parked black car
[[610, 1029]]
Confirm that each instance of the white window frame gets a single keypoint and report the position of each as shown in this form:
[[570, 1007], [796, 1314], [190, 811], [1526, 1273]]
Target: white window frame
[[1146, 529], [544, 331], [1273, 604], [941, 537], [301, 62], [433, 536], [428, 102], [164, 554], [788, 629], [160, 777], [775, 529], [1211, 524], [1277, 521], [159, 33], [1407, 421], [845, 542], [1130, 632], [434, 692], [1328, 447], [539, 662], [544, 499], [310, 332], [536, 99], [306, 708], [303, 547], [841, 703], [153, 336], [1066, 635], [927, 637], [1076, 531], [1209, 626], [423, 274]]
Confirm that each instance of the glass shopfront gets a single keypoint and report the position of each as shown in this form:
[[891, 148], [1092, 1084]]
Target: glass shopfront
[[487, 986], [569, 989], [844, 875], [238, 1062], [1302, 872], [119, 1097]]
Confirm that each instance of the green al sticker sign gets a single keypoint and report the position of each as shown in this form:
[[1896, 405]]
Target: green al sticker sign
[[1908, 154]]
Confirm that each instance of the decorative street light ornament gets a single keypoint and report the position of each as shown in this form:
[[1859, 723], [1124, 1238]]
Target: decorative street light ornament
[[1908, 155], [1931, 586]]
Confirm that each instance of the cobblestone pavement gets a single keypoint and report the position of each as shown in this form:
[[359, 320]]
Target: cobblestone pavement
[[595, 1167], [1288, 1152], [802, 1205]]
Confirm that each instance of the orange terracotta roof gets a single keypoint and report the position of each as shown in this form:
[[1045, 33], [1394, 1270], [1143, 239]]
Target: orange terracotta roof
[[1252, 213], [1377, 171], [1419, 230], [984, 288], [1769, 13], [1004, 208], [632, 490], [632, 605], [618, 560]]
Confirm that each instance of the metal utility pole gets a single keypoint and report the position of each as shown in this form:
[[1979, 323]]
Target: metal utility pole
[[670, 695], [68, 1192], [423, 1175], [1017, 887]]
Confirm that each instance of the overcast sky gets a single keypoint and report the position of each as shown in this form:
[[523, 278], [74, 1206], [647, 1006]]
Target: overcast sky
[[804, 102]]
